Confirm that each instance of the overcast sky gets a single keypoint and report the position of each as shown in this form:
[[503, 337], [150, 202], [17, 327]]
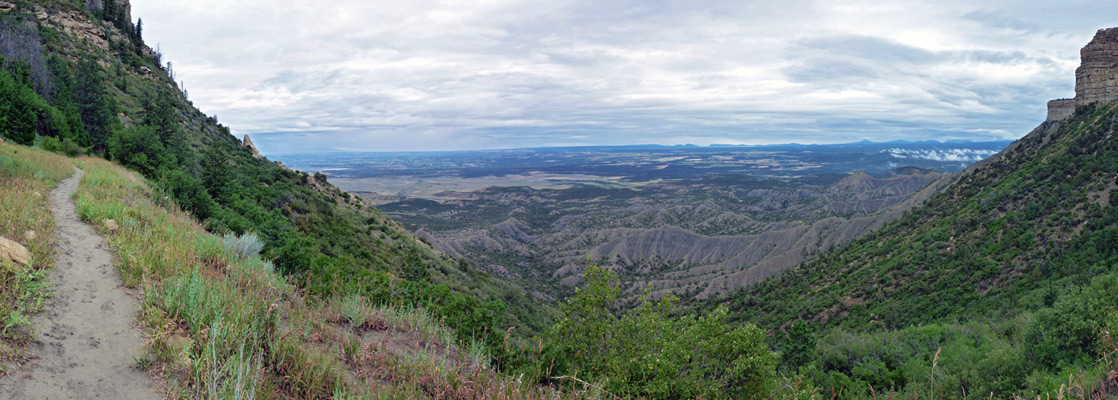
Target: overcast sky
[[361, 75]]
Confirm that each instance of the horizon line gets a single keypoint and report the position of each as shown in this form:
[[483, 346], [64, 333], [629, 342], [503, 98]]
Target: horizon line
[[687, 145]]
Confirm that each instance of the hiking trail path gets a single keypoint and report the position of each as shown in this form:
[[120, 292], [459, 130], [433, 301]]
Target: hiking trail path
[[87, 336]]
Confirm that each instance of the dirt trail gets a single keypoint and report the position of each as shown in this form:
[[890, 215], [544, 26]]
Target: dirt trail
[[87, 336]]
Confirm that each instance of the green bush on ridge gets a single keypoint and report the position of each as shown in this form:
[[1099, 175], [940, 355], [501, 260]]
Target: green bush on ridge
[[647, 353]]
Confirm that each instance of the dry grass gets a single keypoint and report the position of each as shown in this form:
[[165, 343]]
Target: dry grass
[[223, 325], [27, 176]]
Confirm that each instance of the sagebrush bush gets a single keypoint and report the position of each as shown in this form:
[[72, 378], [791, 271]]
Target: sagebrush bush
[[244, 246]]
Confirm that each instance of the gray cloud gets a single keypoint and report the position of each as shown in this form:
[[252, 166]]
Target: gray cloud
[[433, 75]]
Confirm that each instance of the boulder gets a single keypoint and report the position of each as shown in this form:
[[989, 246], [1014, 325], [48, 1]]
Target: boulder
[[14, 252], [110, 225]]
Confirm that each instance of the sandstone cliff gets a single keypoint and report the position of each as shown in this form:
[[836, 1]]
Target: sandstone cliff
[[247, 143], [1096, 79]]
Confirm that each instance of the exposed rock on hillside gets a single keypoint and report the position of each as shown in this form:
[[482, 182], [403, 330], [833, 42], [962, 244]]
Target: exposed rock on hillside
[[124, 5], [1096, 79], [517, 230], [251, 148], [1060, 109]]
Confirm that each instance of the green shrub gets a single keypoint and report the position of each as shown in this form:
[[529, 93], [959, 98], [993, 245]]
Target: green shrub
[[1069, 331], [646, 353], [138, 148], [52, 144], [71, 148]]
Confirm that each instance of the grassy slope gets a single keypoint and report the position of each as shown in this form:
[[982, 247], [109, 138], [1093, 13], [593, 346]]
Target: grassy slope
[[26, 178], [226, 324]]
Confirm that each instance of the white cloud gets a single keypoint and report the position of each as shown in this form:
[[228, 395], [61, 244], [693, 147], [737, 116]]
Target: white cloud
[[426, 75], [945, 155]]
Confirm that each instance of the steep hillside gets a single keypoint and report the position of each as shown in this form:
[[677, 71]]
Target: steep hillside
[[86, 82], [1028, 222], [1008, 232], [1023, 245], [219, 321]]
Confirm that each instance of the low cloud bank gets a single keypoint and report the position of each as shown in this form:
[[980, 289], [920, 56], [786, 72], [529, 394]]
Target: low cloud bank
[[964, 155]]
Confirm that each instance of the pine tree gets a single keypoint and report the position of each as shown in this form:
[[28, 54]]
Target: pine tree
[[161, 115], [96, 106], [17, 115], [215, 174], [64, 100]]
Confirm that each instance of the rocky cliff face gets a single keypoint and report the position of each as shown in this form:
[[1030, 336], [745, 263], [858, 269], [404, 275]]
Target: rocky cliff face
[[247, 143], [1096, 79], [100, 4], [1060, 109]]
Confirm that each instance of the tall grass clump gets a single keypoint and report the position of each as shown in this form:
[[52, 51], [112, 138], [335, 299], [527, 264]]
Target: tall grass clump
[[26, 178]]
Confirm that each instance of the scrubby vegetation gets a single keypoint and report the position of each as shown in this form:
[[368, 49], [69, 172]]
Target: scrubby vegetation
[[69, 93], [259, 281], [646, 353], [1006, 279], [224, 325]]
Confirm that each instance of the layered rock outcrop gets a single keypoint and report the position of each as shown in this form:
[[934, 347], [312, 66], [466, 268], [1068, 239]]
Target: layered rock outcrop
[[251, 147], [1096, 79], [1060, 109]]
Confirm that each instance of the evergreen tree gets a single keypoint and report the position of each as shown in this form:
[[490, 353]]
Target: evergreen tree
[[160, 114], [17, 116], [138, 148], [138, 37], [216, 176], [64, 101], [96, 106]]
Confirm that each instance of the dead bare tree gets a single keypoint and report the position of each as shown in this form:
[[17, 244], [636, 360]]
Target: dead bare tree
[[20, 42]]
